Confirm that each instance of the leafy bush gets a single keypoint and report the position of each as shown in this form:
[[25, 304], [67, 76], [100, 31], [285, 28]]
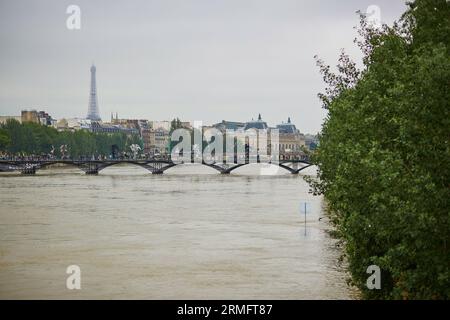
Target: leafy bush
[[384, 154]]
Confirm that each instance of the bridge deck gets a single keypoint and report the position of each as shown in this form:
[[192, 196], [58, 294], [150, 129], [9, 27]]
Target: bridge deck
[[156, 166]]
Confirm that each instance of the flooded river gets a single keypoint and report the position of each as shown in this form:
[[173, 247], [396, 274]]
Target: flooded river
[[190, 233]]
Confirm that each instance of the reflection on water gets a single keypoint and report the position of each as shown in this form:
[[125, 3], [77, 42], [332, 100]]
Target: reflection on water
[[179, 235]]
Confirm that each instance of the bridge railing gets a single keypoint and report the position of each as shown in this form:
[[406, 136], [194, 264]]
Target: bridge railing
[[225, 158]]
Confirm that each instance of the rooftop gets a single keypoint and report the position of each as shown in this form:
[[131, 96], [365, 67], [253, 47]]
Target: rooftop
[[256, 124], [287, 127]]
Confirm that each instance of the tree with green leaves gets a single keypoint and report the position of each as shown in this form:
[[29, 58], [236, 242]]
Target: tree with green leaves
[[384, 154], [5, 139], [175, 124], [35, 139]]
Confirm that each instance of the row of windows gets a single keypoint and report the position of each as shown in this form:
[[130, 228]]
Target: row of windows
[[284, 146]]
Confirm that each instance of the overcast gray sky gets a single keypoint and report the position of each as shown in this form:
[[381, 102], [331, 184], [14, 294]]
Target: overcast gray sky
[[195, 59]]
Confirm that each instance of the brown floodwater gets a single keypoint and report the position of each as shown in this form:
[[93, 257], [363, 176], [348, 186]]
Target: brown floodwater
[[187, 234]]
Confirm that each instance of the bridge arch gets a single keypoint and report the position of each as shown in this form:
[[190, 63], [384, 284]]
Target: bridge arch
[[186, 167], [282, 164], [155, 167]]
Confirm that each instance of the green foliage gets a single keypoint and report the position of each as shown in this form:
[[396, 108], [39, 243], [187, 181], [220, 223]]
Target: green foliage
[[175, 124], [5, 139], [31, 138], [384, 154]]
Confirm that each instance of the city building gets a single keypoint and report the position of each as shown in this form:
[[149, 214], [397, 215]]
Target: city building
[[311, 141], [288, 127], [290, 144], [291, 141], [72, 124], [160, 141], [29, 116], [3, 119], [99, 127], [256, 124], [160, 124], [156, 141], [229, 125], [40, 117], [137, 124], [186, 124], [146, 139]]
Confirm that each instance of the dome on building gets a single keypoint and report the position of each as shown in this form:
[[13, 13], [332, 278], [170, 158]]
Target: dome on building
[[256, 124], [287, 127]]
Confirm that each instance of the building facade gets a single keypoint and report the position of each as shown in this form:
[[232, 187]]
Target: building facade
[[291, 141], [229, 125], [3, 119], [40, 117], [156, 141]]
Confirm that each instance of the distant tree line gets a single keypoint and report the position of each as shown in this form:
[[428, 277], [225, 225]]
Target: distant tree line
[[35, 139]]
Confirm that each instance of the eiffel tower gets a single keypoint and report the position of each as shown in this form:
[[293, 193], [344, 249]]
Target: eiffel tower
[[93, 112]]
